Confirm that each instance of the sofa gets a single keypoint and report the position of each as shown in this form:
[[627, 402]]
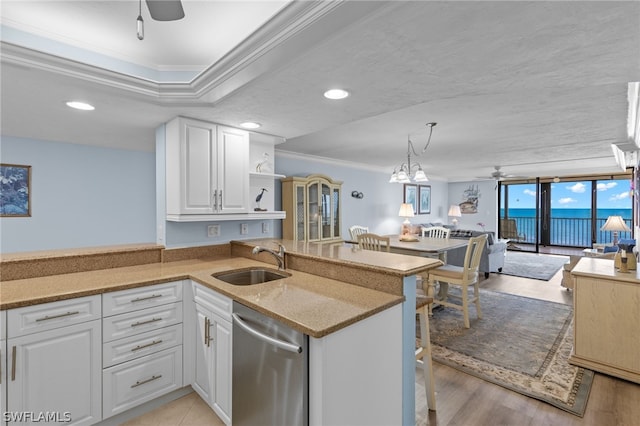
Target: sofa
[[492, 259]]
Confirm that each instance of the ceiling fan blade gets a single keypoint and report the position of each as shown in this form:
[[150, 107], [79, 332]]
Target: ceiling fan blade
[[165, 10]]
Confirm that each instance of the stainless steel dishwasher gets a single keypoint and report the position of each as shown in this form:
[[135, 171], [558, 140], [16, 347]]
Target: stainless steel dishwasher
[[270, 371]]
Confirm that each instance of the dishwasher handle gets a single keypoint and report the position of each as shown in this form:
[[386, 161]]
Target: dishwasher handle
[[279, 343]]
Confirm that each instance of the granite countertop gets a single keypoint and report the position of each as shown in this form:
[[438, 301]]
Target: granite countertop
[[346, 253], [331, 285], [309, 303]]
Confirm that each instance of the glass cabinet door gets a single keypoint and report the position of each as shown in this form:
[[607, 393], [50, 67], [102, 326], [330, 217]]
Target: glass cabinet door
[[326, 212], [299, 216], [336, 213], [313, 212]]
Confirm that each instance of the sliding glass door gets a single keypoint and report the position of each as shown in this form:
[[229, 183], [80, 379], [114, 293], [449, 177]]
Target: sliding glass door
[[567, 212]]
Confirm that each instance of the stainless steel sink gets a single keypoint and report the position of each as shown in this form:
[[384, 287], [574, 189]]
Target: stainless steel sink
[[249, 276]]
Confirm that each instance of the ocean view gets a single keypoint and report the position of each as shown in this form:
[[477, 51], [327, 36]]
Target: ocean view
[[570, 227]]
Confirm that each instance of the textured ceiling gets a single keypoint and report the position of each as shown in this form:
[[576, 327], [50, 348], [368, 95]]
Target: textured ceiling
[[539, 88]]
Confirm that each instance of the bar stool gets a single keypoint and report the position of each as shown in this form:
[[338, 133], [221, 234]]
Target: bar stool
[[423, 352]]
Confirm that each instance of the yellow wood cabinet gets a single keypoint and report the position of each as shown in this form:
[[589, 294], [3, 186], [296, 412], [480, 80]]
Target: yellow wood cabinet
[[313, 208], [606, 319]]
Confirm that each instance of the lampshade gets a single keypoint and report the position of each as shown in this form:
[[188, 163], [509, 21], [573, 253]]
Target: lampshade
[[615, 223], [406, 210], [454, 210]]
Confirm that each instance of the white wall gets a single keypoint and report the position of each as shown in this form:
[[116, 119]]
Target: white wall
[[81, 196], [487, 204], [378, 209]]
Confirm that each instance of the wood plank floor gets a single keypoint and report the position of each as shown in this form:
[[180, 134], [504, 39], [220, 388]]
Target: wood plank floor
[[468, 401]]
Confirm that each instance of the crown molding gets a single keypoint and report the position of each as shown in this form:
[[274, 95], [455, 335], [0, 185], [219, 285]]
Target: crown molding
[[289, 34]]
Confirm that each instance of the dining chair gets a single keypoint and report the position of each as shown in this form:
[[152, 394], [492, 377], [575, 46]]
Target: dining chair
[[464, 276], [356, 230], [436, 232], [375, 242], [433, 232]]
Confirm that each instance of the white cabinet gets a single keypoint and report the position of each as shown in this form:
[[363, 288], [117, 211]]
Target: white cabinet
[[207, 169], [3, 380], [212, 378], [54, 362], [142, 345], [3, 367]]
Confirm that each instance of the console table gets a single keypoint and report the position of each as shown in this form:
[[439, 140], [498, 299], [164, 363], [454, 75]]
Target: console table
[[606, 328]]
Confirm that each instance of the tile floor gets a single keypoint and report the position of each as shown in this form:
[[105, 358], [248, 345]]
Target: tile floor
[[189, 410]]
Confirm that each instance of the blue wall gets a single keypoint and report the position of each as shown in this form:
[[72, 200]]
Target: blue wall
[[378, 209], [81, 196], [86, 196]]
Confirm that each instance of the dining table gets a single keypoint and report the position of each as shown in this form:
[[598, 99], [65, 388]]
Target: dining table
[[424, 246]]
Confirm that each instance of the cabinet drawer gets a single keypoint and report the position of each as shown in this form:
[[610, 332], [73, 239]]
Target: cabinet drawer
[[132, 323], [47, 316], [133, 347], [212, 300], [135, 299], [135, 382]]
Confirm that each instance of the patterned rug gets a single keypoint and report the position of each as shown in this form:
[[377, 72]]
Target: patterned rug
[[522, 344], [532, 265]]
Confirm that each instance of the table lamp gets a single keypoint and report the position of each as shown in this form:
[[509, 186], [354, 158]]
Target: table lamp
[[406, 211], [615, 224], [454, 211]]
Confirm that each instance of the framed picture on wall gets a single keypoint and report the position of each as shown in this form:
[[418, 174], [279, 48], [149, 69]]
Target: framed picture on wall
[[424, 199], [15, 190], [411, 196]]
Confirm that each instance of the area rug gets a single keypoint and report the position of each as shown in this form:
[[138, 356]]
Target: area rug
[[532, 265], [522, 344]]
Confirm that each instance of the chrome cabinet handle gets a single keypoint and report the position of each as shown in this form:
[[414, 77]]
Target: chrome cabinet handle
[[142, 382], [135, 324], [207, 332], [155, 342], [47, 317], [220, 206], [215, 199], [140, 299], [13, 364]]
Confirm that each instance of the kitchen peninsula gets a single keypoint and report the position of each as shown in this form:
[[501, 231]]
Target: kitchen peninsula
[[333, 291]]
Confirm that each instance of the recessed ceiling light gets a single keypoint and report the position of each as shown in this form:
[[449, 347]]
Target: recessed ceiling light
[[336, 94], [80, 105], [250, 125]]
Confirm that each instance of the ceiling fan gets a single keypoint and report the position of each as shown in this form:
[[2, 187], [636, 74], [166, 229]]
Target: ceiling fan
[[165, 10], [160, 10], [499, 175]]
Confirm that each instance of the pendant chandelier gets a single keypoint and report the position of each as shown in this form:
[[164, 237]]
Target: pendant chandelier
[[404, 172]]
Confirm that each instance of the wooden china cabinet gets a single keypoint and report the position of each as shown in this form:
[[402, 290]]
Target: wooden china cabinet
[[313, 208]]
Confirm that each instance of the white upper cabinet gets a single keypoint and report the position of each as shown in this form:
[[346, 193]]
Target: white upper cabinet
[[207, 169]]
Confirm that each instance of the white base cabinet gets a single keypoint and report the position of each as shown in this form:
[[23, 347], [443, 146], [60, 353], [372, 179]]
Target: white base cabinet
[[3, 367], [212, 377], [3, 379], [142, 345], [56, 373]]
